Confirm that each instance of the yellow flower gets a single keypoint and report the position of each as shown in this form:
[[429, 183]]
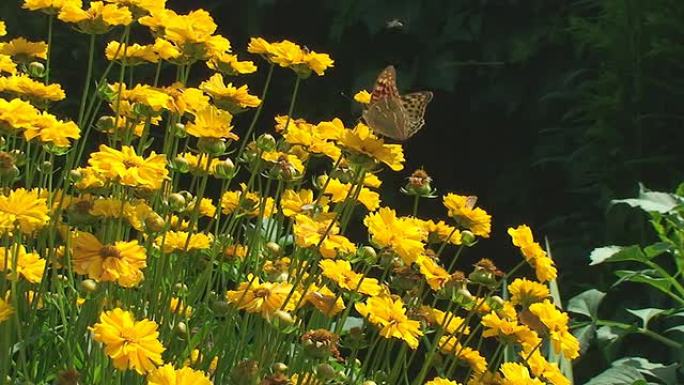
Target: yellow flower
[[199, 164], [23, 85], [23, 50], [89, 179], [517, 374], [339, 192], [435, 275], [16, 115], [509, 330], [132, 54], [452, 324], [28, 264], [449, 345], [3, 28], [121, 262], [533, 253], [129, 343], [228, 96], [299, 202], [540, 367], [177, 306], [167, 51], [230, 65], [319, 232], [462, 208], [48, 129], [206, 208], [129, 169], [141, 6], [525, 292], [196, 358], [185, 99], [264, 298], [318, 62], [154, 99], [441, 381], [6, 310], [98, 19], [288, 165], [362, 142], [324, 300], [363, 97], [195, 27], [49, 7], [340, 272], [390, 315], [556, 323], [248, 201], [7, 65], [167, 375], [290, 55], [212, 122], [402, 235], [23, 208], [313, 139], [176, 241], [439, 232]]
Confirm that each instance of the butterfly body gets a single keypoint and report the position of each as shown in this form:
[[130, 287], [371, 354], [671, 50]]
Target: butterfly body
[[393, 115]]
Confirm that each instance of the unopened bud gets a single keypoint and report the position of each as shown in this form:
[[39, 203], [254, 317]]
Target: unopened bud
[[273, 248], [179, 130], [266, 142], [180, 165], [468, 238], [88, 285], [75, 175], [325, 372], [225, 169], [181, 329], [106, 124], [36, 69], [279, 367], [368, 253], [155, 223], [177, 202], [212, 146]]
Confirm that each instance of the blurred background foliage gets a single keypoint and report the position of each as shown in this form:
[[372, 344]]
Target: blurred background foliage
[[544, 109]]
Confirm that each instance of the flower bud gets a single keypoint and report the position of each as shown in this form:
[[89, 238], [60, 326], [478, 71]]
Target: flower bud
[[284, 317], [212, 146], [180, 164], [325, 372], [266, 142], [225, 169], [105, 124], [179, 130], [468, 238], [46, 167], [368, 254], [180, 288], [245, 373], [279, 367], [155, 223], [75, 175], [177, 202], [36, 69], [369, 382], [88, 285], [273, 248], [181, 329]]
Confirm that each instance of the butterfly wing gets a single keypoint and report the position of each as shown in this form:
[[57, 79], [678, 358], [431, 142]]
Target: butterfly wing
[[414, 106], [386, 117], [385, 85]]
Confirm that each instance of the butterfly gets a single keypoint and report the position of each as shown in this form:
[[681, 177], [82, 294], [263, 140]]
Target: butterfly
[[392, 115]]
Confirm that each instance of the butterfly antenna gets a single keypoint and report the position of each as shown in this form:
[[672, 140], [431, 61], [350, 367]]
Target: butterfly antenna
[[344, 95]]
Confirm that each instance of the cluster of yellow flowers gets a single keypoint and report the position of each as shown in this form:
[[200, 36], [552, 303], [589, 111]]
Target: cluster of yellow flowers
[[184, 248]]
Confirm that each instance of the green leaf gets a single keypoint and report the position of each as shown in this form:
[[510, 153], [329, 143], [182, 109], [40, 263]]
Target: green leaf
[[652, 201], [643, 276], [665, 373], [585, 335], [646, 314], [678, 328], [617, 254], [610, 334], [586, 303], [617, 375], [657, 249]]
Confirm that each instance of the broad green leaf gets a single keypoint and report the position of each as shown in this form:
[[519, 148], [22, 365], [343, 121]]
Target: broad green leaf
[[617, 254], [656, 249], [586, 303], [665, 373], [609, 334], [643, 276], [652, 201], [585, 335], [617, 375], [678, 328], [646, 314]]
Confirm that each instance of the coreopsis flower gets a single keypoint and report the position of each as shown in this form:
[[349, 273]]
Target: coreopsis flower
[[50, 7], [300, 202], [556, 323], [516, 374], [264, 298], [24, 51], [206, 208], [50, 130], [360, 142], [6, 310], [16, 115], [463, 210], [7, 65], [211, 122], [285, 165], [178, 306], [131, 55], [541, 368], [178, 241], [3, 28], [290, 55], [339, 192], [248, 202], [390, 316], [451, 323], [88, 179], [525, 292], [402, 235], [508, 330], [155, 100], [441, 381], [363, 97], [227, 96], [128, 168], [319, 232], [309, 137], [230, 65], [196, 358], [435, 275], [324, 299], [450, 345], [28, 265], [129, 343], [24, 86], [141, 7], [167, 51], [199, 164], [240, 252], [24, 209], [185, 99], [534, 254], [167, 375], [97, 19], [121, 262], [439, 232], [340, 272]]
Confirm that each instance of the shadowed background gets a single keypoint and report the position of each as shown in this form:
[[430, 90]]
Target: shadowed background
[[544, 109]]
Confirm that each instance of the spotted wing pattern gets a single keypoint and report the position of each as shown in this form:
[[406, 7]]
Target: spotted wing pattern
[[386, 117], [415, 105], [385, 85]]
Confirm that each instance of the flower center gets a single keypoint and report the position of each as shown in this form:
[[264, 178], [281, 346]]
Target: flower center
[[261, 293], [109, 251]]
